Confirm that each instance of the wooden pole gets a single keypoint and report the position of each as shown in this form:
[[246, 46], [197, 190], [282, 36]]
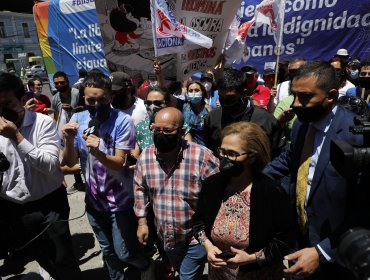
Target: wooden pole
[[277, 66]]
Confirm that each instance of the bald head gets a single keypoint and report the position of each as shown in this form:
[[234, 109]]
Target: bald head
[[170, 117]]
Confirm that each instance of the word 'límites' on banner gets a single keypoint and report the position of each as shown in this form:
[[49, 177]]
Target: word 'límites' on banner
[[70, 37]]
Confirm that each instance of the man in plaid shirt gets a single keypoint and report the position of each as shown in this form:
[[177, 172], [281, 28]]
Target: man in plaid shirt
[[168, 175]]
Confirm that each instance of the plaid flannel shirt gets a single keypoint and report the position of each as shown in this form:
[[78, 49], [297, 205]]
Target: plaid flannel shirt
[[173, 195]]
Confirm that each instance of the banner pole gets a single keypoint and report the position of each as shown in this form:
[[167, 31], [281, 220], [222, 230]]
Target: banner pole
[[153, 17], [280, 40], [277, 67]]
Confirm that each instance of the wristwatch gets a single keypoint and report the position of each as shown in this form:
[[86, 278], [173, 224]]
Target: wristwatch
[[322, 258]]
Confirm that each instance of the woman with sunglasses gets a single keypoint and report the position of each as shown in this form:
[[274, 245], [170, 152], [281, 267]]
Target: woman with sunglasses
[[243, 219], [195, 111], [157, 99]]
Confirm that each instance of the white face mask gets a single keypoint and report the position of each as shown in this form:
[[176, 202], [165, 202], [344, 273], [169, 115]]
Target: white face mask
[[207, 86], [37, 93], [152, 110]]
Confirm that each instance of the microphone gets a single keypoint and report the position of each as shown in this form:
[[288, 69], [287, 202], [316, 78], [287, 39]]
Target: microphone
[[93, 128], [4, 163]]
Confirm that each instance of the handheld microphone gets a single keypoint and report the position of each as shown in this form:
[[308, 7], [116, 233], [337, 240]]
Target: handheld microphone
[[93, 128]]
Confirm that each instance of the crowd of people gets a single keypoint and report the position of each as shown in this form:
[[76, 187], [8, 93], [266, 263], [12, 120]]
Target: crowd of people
[[227, 169]]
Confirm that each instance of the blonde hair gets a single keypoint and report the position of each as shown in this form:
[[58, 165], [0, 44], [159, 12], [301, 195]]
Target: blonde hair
[[254, 141]]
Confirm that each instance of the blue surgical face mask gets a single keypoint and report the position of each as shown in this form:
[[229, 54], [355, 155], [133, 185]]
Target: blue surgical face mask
[[153, 83], [354, 74], [194, 97]]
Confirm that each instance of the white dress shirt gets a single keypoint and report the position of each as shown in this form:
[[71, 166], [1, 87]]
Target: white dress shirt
[[34, 164]]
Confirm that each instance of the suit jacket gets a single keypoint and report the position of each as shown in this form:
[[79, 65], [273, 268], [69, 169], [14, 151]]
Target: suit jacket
[[271, 223], [333, 202], [216, 120]]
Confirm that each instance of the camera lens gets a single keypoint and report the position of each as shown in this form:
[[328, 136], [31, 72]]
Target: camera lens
[[354, 251]]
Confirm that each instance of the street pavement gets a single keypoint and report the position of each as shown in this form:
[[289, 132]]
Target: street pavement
[[85, 246]]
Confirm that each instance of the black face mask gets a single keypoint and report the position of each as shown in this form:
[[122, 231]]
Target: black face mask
[[100, 112], [119, 101], [339, 74], [292, 73], [231, 106], [165, 143], [364, 82], [231, 168], [9, 115], [62, 88], [310, 114]]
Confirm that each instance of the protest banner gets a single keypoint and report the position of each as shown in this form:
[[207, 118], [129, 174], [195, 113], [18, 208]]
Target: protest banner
[[135, 55], [314, 29], [171, 36], [126, 29], [211, 18], [69, 37]]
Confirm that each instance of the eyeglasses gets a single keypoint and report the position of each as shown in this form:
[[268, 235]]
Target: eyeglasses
[[154, 102], [163, 130], [38, 85], [229, 154], [60, 83], [101, 100]]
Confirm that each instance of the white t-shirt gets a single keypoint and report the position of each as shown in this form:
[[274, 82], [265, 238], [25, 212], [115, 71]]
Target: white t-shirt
[[282, 92], [137, 111], [347, 86]]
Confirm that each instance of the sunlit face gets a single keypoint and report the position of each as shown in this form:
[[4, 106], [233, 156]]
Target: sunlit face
[[167, 124], [195, 90], [60, 81], [365, 72], [155, 96], [307, 94], [336, 65], [37, 86], [96, 96], [234, 147]]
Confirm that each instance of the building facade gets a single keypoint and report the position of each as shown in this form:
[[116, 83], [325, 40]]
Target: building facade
[[19, 46]]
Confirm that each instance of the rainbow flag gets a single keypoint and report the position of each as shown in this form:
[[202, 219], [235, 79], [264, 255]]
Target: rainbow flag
[[69, 37]]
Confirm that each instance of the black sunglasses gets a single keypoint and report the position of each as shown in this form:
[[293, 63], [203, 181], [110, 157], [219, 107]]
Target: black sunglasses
[[154, 102]]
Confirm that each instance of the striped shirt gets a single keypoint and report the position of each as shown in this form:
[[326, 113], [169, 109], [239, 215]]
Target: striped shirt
[[173, 194]]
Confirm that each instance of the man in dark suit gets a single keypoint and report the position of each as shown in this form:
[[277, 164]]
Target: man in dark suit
[[323, 201], [234, 108]]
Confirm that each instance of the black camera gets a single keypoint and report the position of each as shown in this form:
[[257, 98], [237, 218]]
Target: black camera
[[348, 159], [4, 163], [354, 251]]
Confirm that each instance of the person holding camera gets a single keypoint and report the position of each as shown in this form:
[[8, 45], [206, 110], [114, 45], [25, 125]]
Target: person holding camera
[[33, 202], [324, 203], [243, 218]]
